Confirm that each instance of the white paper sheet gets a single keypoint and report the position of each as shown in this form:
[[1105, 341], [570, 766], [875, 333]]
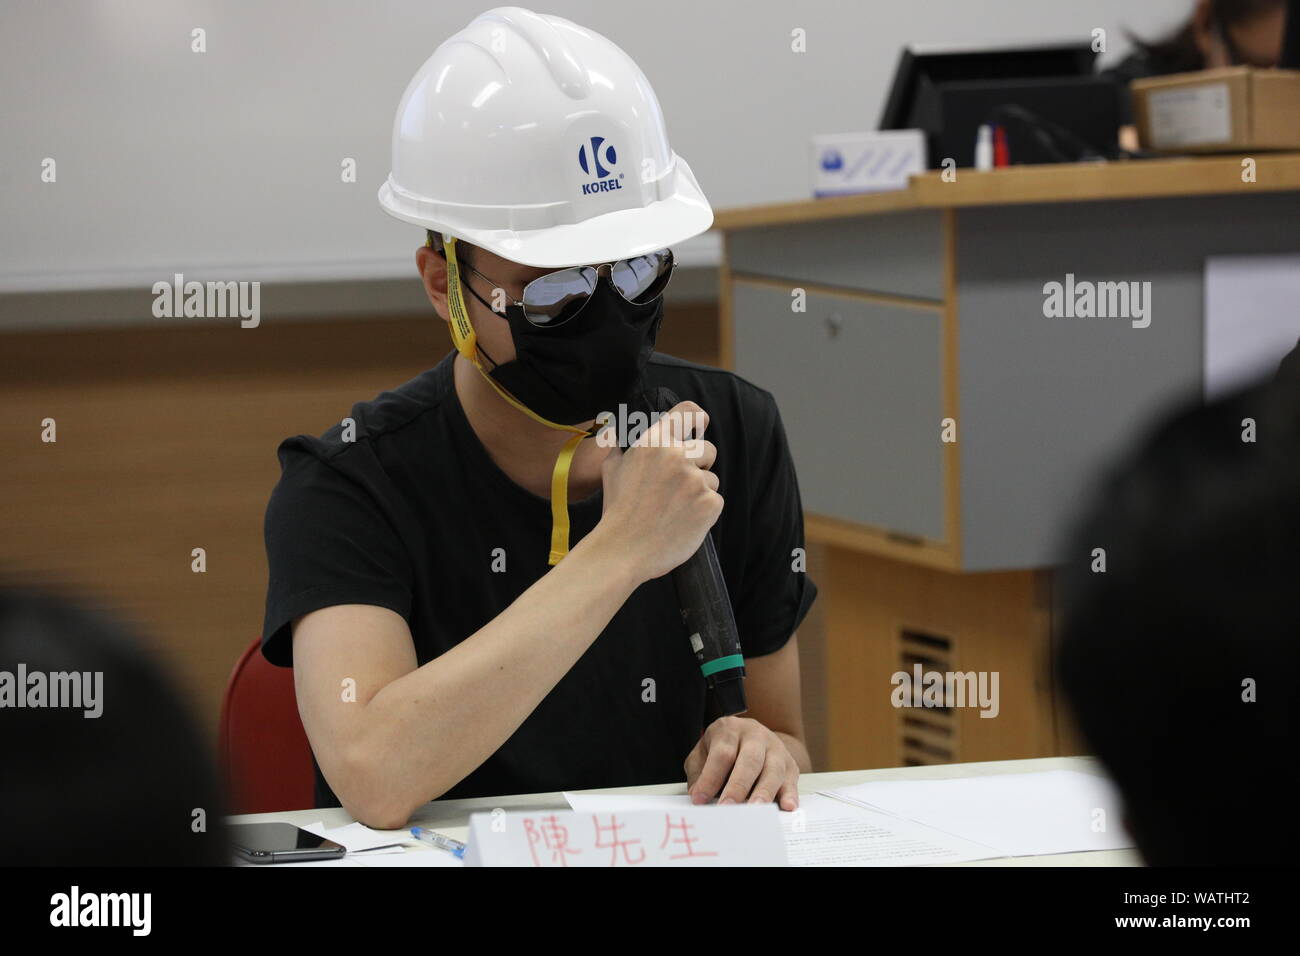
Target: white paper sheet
[[1018, 814], [359, 838], [836, 833], [1251, 319]]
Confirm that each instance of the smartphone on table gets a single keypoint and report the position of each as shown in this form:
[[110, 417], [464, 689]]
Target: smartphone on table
[[281, 843]]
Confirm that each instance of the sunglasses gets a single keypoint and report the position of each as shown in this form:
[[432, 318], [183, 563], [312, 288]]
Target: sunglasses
[[555, 298]]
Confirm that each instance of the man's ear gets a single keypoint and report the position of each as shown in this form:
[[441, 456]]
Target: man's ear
[[433, 273]]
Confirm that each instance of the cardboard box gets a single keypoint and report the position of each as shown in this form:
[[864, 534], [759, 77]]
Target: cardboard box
[[1218, 111], [846, 163]]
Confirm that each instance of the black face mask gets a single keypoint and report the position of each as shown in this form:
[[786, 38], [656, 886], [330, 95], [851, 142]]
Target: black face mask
[[588, 365]]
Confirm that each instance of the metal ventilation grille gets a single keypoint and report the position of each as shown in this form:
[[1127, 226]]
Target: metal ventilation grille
[[928, 735]]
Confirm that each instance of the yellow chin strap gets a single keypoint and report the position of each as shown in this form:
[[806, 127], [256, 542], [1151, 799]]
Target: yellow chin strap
[[466, 339]]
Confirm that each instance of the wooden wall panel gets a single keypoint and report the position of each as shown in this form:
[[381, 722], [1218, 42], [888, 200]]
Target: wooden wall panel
[[996, 622]]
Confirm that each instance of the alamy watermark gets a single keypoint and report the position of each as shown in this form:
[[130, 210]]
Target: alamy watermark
[[130, 910], [1085, 299], [78, 690], [924, 688], [211, 300], [625, 428]]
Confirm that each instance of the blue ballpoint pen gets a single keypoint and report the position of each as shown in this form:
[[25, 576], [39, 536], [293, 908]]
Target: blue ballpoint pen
[[425, 835]]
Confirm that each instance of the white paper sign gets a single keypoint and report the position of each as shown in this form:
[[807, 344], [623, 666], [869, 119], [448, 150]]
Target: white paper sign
[[1251, 320], [1192, 116], [732, 835], [846, 163]]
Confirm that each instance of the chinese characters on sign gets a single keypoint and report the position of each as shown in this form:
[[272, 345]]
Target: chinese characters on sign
[[551, 841], [740, 835]]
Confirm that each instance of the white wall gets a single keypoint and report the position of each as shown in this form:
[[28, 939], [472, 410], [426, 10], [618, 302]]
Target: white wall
[[226, 164]]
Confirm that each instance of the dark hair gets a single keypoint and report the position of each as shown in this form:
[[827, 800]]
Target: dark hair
[[1201, 538], [118, 789], [1178, 53]]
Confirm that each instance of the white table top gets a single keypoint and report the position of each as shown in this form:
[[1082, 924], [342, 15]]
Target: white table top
[[451, 817]]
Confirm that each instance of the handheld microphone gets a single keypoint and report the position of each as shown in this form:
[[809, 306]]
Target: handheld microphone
[[707, 612]]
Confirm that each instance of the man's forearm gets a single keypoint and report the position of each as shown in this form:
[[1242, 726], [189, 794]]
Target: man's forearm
[[429, 729]]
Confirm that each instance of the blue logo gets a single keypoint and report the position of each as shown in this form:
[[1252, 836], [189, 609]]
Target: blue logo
[[600, 172], [596, 164]]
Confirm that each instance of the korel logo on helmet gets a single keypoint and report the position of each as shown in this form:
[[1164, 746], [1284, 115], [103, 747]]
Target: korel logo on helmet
[[594, 158]]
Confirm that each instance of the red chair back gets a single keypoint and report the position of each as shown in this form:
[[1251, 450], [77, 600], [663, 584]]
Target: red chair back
[[264, 753]]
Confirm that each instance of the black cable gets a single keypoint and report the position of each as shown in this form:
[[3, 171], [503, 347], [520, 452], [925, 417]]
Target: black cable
[[1052, 137]]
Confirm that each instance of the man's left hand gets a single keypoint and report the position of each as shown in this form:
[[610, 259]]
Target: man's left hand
[[738, 760]]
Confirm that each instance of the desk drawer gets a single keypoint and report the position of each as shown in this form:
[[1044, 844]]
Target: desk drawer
[[859, 386], [895, 254]]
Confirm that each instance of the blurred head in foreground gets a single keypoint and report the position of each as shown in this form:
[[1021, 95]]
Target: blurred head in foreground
[[103, 766], [1179, 660]]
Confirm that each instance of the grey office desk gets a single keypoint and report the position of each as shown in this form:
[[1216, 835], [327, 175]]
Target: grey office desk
[[452, 816], [876, 319]]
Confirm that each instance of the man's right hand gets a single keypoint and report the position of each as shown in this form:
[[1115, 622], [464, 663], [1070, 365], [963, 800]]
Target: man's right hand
[[660, 498]]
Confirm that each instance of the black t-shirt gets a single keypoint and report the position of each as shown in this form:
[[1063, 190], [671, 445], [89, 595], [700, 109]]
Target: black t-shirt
[[410, 516]]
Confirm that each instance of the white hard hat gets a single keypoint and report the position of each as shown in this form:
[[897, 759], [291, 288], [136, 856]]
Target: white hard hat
[[543, 142]]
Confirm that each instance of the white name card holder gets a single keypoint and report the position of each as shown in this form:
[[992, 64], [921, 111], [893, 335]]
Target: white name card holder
[[732, 835]]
